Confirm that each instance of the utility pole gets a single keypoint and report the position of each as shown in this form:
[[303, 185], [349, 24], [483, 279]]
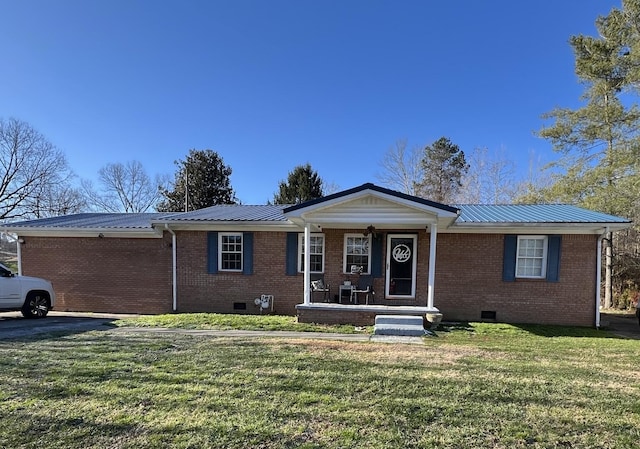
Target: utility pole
[[186, 189]]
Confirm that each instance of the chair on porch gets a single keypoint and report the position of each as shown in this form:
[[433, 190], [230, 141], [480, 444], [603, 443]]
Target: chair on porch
[[365, 286], [318, 285]]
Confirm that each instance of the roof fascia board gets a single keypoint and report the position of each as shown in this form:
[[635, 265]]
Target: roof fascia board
[[229, 226], [319, 207], [338, 222], [84, 232], [520, 228]]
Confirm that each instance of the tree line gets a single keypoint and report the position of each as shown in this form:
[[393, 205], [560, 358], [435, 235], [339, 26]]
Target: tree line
[[597, 165], [38, 181]]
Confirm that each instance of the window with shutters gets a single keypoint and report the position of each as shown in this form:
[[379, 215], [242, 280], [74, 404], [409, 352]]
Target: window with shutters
[[531, 257], [230, 255]]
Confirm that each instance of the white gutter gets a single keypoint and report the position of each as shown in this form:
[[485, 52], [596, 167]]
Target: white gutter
[[174, 267], [599, 274]]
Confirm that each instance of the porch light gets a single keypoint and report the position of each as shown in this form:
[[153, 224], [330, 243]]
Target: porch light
[[371, 229]]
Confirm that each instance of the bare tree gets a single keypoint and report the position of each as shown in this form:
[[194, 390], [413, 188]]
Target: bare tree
[[401, 168], [329, 187], [490, 179], [533, 189], [30, 166], [58, 199], [124, 188]]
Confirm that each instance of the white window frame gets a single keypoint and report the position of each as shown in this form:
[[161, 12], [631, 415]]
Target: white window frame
[[221, 251], [543, 268], [301, 251], [347, 266]]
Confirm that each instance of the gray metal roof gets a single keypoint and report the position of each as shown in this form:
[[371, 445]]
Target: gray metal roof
[[469, 215], [532, 213], [230, 212], [93, 221]]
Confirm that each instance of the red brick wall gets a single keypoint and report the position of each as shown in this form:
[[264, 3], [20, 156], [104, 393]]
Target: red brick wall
[[332, 316], [134, 275], [199, 291], [103, 274], [469, 280]]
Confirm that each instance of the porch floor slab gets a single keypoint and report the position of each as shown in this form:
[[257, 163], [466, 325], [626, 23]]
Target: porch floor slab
[[373, 308], [356, 314]]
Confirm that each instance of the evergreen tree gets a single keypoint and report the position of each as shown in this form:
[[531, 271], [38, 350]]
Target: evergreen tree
[[302, 184], [202, 180], [443, 166], [599, 142]]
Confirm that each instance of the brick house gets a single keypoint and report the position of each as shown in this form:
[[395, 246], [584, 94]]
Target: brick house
[[399, 253]]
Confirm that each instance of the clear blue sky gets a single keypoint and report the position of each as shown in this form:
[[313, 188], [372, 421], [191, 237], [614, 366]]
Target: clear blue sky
[[271, 84]]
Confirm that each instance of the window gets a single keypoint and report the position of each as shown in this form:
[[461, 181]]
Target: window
[[316, 253], [531, 257], [357, 251], [230, 251]]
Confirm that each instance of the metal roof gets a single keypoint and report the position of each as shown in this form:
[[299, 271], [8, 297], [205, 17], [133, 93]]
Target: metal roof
[[229, 212], [531, 213], [470, 215], [93, 221]]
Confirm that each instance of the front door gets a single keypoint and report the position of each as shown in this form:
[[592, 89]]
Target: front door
[[401, 266]]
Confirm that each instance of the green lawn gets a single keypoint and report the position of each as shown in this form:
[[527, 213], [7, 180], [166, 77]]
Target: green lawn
[[475, 385], [219, 321]]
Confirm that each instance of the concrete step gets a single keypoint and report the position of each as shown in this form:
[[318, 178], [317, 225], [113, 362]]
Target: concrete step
[[399, 325], [405, 320], [394, 329]]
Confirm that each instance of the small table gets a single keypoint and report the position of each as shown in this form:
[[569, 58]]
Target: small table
[[343, 291]]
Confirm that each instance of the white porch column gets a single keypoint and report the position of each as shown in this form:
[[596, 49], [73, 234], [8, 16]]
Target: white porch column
[[307, 263], [432, 263]]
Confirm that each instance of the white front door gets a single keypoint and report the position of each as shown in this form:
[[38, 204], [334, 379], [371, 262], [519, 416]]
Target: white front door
[[401, 266]]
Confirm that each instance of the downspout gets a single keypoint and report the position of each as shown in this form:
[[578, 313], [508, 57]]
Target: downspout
[[599, 274], [19, 249], [174, 267]]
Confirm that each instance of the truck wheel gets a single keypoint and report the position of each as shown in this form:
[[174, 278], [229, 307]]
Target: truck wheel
[[36, 305]]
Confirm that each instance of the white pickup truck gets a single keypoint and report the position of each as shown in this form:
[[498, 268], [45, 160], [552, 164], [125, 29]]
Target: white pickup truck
[[34, 297]]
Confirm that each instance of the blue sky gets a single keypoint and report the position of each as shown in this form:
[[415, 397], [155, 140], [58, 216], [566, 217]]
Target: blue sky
[[274, 84]]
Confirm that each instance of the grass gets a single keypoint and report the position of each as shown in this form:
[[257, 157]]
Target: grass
[[474, 386], [217, 321]]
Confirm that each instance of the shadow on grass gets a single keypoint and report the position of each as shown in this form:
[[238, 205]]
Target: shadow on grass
[[484, 328], [23, 330]]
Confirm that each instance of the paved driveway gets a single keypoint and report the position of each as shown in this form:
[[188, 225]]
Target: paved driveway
[[13, 325], [625, 325]]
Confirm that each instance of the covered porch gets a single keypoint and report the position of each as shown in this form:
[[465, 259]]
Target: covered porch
[[374, 252], [358, 315]]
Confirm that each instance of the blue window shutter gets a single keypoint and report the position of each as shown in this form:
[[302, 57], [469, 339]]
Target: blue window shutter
[[247, 253], [292, 254], [553, 258], [509, 258], [376, 256], [212, 252]]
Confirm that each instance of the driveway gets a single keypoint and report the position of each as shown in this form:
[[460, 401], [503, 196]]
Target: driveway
[[13, 325], [622, 324]]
